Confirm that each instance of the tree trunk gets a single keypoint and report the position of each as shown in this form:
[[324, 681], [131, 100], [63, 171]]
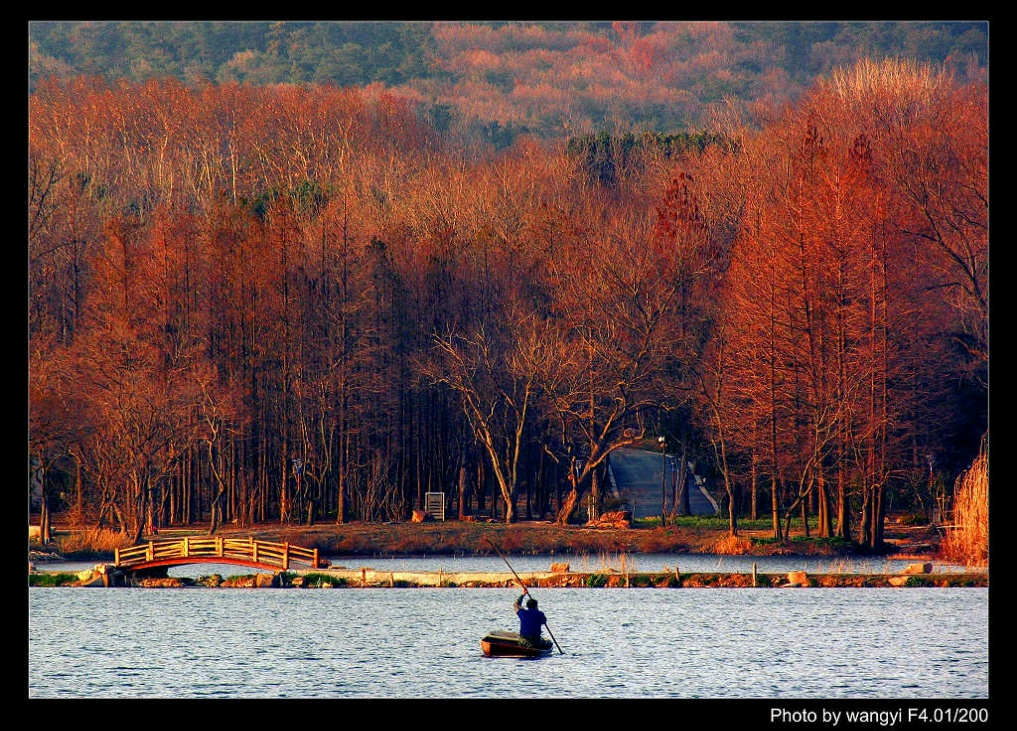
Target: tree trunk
[[44, 520], [843, 512], [822, 505], [775, 507], [568, 505], [863, 528], [79, 498], [754, 488]]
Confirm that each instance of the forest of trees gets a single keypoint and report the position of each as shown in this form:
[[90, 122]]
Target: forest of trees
[[306, 303], [502, 79]]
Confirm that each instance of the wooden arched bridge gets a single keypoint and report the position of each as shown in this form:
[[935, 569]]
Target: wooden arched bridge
[[216, 549]]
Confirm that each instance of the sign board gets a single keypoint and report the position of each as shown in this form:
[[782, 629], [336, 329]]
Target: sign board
[[434, 505]]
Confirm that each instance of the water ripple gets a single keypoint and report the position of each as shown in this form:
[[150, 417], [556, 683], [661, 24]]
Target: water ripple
[[707, 643]]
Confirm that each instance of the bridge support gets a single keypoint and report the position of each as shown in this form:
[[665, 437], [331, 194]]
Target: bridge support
[[155, 572]]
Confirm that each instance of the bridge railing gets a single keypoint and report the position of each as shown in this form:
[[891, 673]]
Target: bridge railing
[[269, 553]]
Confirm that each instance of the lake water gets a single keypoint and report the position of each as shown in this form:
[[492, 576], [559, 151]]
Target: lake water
[[425, 643], [686, 562]]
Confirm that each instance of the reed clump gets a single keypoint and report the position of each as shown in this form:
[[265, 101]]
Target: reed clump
[[622, 564], [95, 540], [968, 541]]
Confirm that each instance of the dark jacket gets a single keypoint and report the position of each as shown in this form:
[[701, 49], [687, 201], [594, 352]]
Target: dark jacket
[[530, 620]]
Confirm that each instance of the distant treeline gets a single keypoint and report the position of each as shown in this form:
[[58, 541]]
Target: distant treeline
[[551, 79]]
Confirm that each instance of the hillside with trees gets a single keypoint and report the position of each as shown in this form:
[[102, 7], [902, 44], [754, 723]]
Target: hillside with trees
[[497, 80]]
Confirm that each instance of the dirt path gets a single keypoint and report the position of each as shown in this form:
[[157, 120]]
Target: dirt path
[[543, 537]]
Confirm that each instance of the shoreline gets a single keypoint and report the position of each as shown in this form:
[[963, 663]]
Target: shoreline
[[367, 578], [475, 538]]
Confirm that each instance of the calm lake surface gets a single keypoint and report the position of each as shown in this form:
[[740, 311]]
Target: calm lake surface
[[686, 562], [425, 643]]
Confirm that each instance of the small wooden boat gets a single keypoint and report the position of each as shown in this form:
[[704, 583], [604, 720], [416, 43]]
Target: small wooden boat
[[510, 644]]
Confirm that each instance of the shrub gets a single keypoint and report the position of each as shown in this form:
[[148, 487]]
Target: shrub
[[51, 579], [732, 545], [314, 581], [96, 540], [212, 581]]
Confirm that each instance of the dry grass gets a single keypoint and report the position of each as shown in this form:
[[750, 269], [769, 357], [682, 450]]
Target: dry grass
[[621, 564], [474, 538], [95, 540], [968, 542], [732, 545]]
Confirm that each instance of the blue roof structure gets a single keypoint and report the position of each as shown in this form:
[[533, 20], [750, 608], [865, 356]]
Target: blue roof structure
[[634, 475]]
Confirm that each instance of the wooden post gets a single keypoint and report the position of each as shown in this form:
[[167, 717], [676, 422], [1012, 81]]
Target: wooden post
[[150, 552], [254, 550], [116, 556], [753, 573], [286, 555], [218, 545], [187, 546], [315, 564]]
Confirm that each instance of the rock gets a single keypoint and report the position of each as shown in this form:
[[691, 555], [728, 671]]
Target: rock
[[94, 580], [44, 556], [86, 575], [34, 532], [898, 580], [559, 568], [164, 582], [239, 582], [918, 568], [797, 578], [419, 516], [264, 581]]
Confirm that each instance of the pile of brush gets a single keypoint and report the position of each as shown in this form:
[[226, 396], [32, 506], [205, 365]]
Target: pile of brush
[[615, 519]]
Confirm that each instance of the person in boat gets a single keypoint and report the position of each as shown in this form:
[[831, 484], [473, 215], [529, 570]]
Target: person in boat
[[531, 621]]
